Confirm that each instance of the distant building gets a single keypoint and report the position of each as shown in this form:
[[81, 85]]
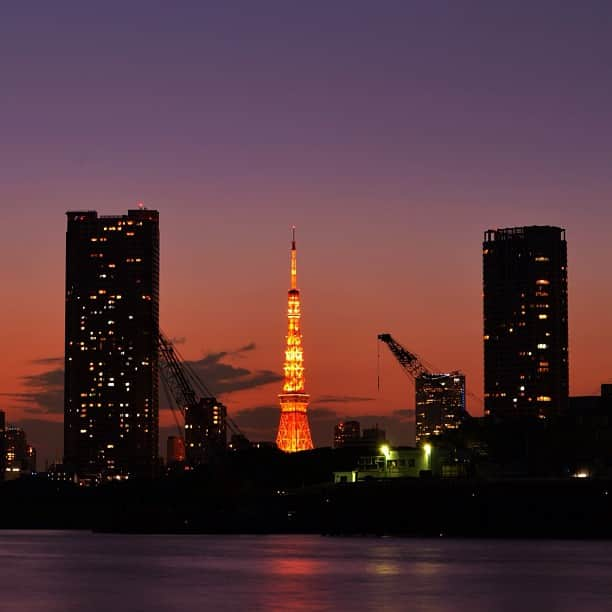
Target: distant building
[[373, 436], [440, 404], [205, 430], [175, 450], [30, 458], [593, 408], [2, 443], [346, 433], [111, 343], [525, 321], [58, 472]]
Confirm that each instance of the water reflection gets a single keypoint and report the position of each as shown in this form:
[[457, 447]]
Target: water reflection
[[76, 572]]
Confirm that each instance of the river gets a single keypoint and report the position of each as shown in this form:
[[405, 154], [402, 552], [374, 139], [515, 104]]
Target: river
[[84, 572]]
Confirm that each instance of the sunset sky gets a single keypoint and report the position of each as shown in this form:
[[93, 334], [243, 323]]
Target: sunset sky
[[392, 134]]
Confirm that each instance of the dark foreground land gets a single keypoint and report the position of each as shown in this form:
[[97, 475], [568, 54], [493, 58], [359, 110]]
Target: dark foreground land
[[262, 494]]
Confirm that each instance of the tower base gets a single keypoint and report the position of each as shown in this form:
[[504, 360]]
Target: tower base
[[294, 429]]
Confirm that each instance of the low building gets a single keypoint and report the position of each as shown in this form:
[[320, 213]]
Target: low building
[[394, 463], [405, 462]]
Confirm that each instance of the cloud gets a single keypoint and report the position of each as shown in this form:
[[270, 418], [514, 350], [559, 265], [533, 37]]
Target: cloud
[[221, 377], [44, 392], [341, 399], [48, 361], [258, 423]]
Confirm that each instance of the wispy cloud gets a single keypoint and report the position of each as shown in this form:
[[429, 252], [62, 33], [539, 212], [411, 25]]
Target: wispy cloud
[[341, 399], [221, 377], [44, 392]]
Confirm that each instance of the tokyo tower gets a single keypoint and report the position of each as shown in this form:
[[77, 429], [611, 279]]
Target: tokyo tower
[[293, 429]]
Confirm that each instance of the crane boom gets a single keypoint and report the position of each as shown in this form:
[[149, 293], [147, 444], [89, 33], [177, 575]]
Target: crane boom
[[410, 362], [204, 418]]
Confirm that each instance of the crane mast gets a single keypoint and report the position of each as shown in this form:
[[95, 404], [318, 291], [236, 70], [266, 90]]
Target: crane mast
[[175, 376]]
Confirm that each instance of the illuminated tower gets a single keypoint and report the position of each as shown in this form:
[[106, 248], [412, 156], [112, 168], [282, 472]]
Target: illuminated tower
[[293, 429]]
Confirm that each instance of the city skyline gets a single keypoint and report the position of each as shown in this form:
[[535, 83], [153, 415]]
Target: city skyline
[[391, 140]]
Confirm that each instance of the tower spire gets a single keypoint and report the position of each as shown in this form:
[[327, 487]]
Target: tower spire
[[293, 260]]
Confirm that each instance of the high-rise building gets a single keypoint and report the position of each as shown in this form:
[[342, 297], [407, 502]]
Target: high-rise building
[[111, 343], [205, 430], [293, 430], [440, 403], [525, 321], [347, 433]]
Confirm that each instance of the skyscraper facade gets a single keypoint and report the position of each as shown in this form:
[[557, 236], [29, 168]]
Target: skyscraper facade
[[111, 343], [525, 321], [440, 404]]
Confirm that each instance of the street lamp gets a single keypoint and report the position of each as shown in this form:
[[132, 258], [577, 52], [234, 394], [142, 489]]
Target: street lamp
[[386, 453], [427, 449]]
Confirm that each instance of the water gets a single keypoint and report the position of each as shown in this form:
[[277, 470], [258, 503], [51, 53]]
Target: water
[[73, 571]]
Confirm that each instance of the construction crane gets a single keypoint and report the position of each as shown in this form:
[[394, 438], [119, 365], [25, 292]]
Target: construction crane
[[409, 361], [202, 420], [440, 398]]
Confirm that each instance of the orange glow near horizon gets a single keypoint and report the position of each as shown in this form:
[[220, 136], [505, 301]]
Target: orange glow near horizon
[[293, 429]]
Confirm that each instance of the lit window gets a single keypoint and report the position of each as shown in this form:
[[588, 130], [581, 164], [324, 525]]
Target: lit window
[[542, 346]]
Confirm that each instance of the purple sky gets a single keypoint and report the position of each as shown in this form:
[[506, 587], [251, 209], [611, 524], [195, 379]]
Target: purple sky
[[392, 134]]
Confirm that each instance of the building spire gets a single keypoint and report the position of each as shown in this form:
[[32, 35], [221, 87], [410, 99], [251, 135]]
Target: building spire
[[293, 260]]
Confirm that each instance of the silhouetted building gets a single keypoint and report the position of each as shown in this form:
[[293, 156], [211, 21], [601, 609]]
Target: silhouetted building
[[594, 409], [373, 437], [30, 458], [111, 345], [175, 450], [2, 443], [346, 433], [525, 321], [18, 453], [440, 403], [205, 430]]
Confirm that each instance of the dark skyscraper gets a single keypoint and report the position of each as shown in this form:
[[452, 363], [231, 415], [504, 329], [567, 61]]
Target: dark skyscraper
[[525, 321], [111, 354]]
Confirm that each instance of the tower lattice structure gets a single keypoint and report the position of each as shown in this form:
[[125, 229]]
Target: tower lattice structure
[[293, 429]]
